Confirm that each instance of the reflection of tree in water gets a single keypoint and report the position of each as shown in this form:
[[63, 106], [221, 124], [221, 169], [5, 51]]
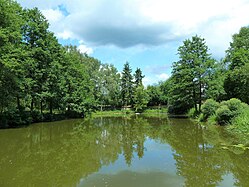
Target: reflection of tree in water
[[240, 168], [62, 153], [201, 163], [196, 161]]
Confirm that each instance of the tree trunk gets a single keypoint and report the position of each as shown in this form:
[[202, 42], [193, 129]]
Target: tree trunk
[[194, 97], [51, 107], [200, 97], [41, 107]]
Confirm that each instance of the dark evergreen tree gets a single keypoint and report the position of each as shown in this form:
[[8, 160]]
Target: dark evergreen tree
[[127, 85], [138, 77]]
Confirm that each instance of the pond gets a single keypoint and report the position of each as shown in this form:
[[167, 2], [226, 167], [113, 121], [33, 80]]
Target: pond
[[120, 152]]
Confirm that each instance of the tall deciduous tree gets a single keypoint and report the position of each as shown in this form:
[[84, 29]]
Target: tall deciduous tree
[[109, 85], [237, 54], [140, 99], [189, 75], [37, 39], [237, 82], [78, 88], [11, 53]]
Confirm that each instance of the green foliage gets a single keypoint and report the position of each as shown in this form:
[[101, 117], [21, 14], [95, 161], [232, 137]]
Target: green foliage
[[159, 94], [235, 106], [232, 112], [155, 95], [223, 115], [141, 99], [193, 113], [190, 75], [126, 85], [138, 77], [241, 122], [208, 108], [237, 83], [237, 54], [108, 86], [215, 82], [38, 75]]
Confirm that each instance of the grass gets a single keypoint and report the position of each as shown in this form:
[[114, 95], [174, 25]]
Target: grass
[[121, 113], [155, 112], [113, 113], [240, 123]]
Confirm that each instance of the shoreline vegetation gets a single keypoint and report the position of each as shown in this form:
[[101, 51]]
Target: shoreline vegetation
[[232, 114]]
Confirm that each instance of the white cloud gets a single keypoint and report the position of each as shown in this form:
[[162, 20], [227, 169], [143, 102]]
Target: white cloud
[[127, 23], [154, 79], [53, 15], [85, 49], [65, 35], [162, 77]]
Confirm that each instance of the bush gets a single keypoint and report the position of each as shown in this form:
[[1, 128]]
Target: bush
[[212, 120], [36, 116], [208, 109], [235, 106], [241, 122], [223, 115], [192, 113]]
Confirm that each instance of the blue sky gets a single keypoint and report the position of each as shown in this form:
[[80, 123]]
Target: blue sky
[[146, 33]]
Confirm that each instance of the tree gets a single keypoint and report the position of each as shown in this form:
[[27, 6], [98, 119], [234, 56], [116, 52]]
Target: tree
[[154, 94], [11, 54], [78, 88], [237, 56], [126, 85], [237, 83], [109, 85], [138, 77], [189, 75], [215, 83], [37, 40], [141, 98]]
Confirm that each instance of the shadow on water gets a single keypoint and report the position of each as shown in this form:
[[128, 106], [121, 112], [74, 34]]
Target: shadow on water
[[137, 151]]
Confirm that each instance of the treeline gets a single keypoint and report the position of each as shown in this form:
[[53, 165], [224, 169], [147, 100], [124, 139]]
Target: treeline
[[42, 80]]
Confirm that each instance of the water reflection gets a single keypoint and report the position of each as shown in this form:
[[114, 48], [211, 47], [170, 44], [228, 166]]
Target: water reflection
[[119, 152]]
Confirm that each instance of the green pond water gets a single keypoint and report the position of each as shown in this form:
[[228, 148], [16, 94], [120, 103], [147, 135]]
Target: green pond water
[[121, 152]]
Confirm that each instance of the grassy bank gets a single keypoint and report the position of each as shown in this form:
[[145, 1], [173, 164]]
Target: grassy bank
[[119, 113], [113, 113]]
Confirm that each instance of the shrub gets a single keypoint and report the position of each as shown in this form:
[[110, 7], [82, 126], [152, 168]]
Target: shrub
[[241, 122], [192, 113], [36, 116], [223, 115], [208, 108], [235, 106], [212, 120]]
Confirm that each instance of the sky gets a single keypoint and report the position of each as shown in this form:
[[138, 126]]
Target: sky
[[145, 33]]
